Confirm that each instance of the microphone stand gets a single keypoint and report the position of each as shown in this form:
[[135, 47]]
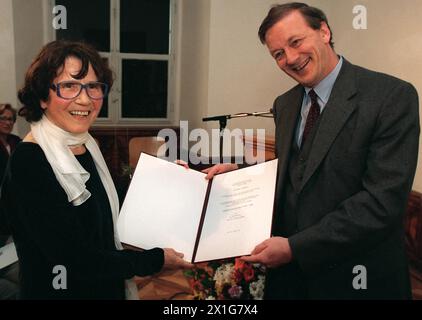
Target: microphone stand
[[222, 119]]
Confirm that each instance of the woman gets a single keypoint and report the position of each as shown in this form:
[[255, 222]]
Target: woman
[[8, 141], [8, 276], [58, 195]]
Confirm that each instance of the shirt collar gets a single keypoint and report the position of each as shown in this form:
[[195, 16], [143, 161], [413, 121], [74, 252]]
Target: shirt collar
[[323, 89]]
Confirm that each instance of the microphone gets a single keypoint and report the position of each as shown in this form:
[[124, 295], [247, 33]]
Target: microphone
[[223, 118], [217, 118], [223, 122], [263, 113]]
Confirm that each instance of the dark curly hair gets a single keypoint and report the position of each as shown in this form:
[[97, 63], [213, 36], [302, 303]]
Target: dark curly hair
[[45, 67], [313, 16]]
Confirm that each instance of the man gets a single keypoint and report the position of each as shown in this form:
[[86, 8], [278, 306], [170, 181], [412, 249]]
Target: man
[[347, 144]]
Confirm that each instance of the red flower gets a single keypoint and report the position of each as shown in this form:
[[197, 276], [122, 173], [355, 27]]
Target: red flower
[[238, 276], [203, 284], [239, 264], [248, 273]]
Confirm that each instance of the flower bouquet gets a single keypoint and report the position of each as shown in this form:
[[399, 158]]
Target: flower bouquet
[[230, 279]]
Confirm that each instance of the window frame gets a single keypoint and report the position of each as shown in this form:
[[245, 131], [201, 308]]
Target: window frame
[[115, 58]]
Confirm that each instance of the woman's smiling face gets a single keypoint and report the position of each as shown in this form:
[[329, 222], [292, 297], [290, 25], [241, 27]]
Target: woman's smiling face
[[78, 114]]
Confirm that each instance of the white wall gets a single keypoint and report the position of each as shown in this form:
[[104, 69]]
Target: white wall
[[28, 39], [225, 68], [194, 56], [243, 77], [21, 37], [7, 51]]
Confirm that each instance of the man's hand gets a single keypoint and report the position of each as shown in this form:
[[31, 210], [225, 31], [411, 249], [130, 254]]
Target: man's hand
[[272, 253], [174, 260], [219, 168]]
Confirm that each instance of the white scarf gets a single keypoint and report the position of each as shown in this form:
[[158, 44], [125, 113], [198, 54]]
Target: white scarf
[[55, 143]]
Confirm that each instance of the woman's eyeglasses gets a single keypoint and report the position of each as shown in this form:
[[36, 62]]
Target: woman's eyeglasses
[[71, 89]]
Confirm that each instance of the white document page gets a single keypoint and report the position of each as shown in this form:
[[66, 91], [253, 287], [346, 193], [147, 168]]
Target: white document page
[[163, 206], [8, 255], [239, 213]]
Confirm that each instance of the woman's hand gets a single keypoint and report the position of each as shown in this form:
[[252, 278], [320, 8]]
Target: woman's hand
[[174, 260], [219, 168], [182, 163]]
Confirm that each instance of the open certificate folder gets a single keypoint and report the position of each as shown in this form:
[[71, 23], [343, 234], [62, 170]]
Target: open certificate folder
[[169, 206]]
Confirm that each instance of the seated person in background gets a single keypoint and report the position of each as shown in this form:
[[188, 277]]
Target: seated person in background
[[8, 142], [58, 195]]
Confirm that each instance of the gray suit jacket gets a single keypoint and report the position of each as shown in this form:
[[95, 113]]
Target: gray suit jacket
[[355, 187]]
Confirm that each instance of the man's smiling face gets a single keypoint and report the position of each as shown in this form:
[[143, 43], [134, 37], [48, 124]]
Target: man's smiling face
[[303, 53]]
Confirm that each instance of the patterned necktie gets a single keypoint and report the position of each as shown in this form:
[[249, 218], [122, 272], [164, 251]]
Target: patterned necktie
[[313, 115]]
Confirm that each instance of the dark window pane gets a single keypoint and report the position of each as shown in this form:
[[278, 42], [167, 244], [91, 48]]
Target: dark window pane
[[104, 109], [144, 85], [88, 21], [144, 26]]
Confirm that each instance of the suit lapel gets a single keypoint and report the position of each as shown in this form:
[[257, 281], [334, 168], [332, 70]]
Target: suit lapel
[[336, 112], [289, 113]]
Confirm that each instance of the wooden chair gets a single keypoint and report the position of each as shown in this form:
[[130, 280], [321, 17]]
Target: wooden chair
[[413, 229], [150, 145], [167, 285], [253, 145]]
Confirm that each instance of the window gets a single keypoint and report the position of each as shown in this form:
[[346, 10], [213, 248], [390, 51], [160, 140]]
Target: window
[[135, 37]]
